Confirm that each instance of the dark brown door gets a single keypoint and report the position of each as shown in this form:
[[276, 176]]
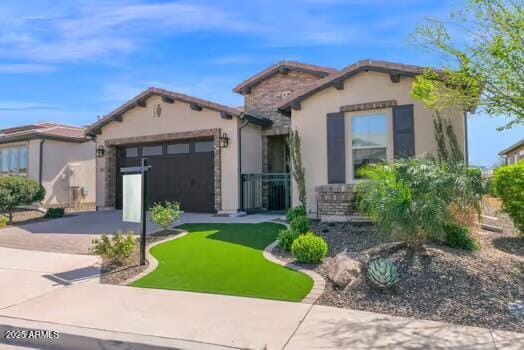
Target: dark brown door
[[180, 171]]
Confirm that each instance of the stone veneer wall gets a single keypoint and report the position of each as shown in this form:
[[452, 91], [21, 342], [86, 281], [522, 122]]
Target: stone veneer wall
[[335, 202], [111, 151], [267, 95]]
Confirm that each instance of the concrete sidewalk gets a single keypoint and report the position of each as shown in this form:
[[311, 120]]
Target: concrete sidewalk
[[194, 320], [60, 292]]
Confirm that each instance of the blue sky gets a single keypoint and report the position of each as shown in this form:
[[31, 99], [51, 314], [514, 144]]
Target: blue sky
[[70, 61]]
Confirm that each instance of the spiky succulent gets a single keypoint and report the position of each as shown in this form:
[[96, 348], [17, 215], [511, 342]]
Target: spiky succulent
[[383, 273]]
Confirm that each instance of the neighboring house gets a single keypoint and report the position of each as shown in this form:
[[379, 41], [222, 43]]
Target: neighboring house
[[214, 158], [514, 153], [59, 157]]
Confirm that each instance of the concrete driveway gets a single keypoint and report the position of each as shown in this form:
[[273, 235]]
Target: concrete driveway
[[74, 233], [26, 275]]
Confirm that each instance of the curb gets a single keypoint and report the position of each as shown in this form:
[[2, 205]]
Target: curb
[[153, 263], [319, 284]]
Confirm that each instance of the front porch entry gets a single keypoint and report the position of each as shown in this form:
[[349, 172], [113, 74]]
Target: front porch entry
[[271, 190]]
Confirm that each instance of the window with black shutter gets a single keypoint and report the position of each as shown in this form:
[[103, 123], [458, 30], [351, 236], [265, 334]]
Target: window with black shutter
[[336, 146], [403, 131]]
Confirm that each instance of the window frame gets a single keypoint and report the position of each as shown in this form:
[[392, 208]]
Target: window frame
[[386, 114], [18, 166]]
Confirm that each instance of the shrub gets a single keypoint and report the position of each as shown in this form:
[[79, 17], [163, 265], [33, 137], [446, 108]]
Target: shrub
[[16, 191], [165, 215], [458, 237], [295, 212], [286, 238], [309, 248], [117, 250], [411, 199], [383, 273], [3, 221], [508, 183], [52, 213], [300, 224]]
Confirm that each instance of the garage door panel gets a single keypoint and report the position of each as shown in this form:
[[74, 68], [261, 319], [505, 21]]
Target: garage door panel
[[180, 174]]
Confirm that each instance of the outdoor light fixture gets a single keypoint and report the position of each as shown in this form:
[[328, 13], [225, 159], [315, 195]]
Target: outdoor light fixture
[[224, 140], [100, 151]]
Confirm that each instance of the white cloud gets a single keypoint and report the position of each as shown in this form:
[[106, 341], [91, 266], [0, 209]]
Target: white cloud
[[26, 106], [50, 32], [25, 68]]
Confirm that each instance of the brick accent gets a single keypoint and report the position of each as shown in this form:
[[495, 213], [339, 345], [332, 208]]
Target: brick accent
[[335, 201], [368, 106], [110, 159], [265, 96]]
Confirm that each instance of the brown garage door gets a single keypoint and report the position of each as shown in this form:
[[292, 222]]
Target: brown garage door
[[180, 171]]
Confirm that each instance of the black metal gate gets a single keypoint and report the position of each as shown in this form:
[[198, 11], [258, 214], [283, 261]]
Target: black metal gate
[[266, 192]]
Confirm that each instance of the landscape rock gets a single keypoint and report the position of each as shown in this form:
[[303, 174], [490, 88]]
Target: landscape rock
[[344, 268]]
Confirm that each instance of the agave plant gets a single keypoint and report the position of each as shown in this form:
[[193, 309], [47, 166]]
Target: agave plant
[[383, 273]]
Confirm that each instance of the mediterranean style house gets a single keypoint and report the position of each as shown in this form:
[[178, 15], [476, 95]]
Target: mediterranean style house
[[215, 158], [59, 157], [514, 153]]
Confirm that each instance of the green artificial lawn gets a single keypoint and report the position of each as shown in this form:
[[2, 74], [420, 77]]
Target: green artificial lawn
[[225, 259]]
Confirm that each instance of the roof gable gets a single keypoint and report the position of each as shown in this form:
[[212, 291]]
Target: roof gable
[[337, 79], [170, 97], [282, 67]]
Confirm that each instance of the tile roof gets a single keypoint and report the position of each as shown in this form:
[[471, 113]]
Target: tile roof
[[43, 131], [362, 65], [291, 65], [229, 111]]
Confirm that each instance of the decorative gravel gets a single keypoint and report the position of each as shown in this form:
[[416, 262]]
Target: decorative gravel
[[112, 274], [483, 288]]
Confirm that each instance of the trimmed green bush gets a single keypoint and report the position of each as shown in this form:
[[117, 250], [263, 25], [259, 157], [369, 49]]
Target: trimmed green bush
[[295, 212], [3, 221], [165, 215], [53, 213], [286, 238], [309, 248], [458, 237], [300, 224], [16, 191], [508, 183], [117, 249]]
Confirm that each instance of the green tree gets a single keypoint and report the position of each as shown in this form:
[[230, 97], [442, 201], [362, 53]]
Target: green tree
[[485, 60], [508, 182], [16, 191], [295, 150]]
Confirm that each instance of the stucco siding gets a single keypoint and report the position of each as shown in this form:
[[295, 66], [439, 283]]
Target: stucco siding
[[176, 117], [57, 158], [60, 160], [365, 87]]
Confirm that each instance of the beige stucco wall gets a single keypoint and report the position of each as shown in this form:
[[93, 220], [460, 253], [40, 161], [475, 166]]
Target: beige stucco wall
[[251, 149], [176, 117], [58, 156], [60, 160], [364, 87]]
